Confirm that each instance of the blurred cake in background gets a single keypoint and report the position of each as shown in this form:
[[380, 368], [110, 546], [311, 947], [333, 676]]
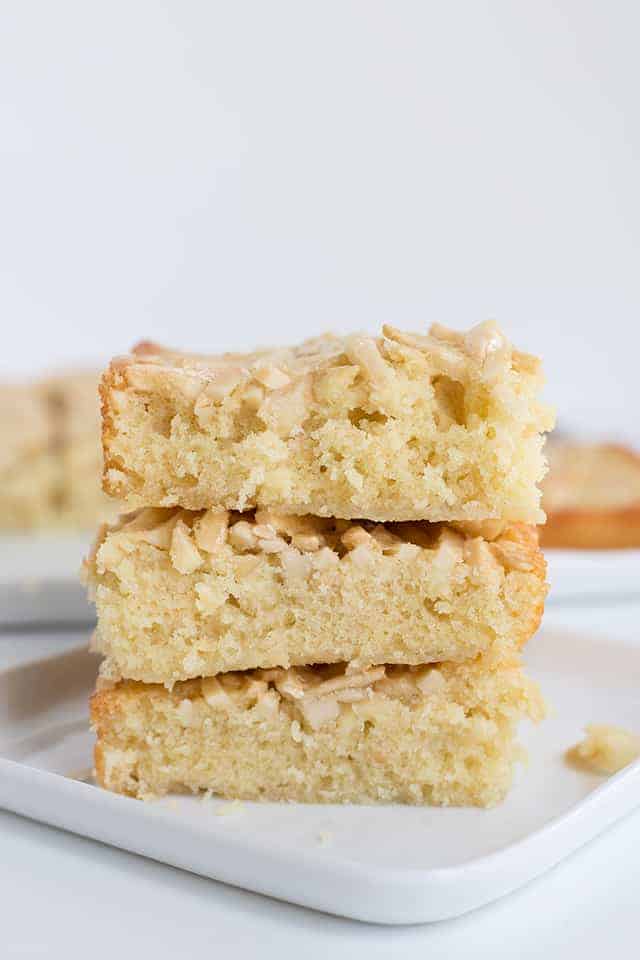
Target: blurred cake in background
[[51, 455], [29, 467], [591, 496]]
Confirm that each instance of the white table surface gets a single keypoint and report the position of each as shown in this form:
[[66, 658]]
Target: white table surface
[[63, 896]]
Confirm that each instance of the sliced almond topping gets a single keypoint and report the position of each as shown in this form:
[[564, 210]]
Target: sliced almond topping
[[160, 536], [352, 694], [185, 712], [441, 332], [430, 681], [271, 377], [356, 536], [277, 545], [291, 525], [489, 348], [319, 701], [245, 565], [145, 519], [308, 543], [289, 685], [296, 566], [256, 688], [147, 377], [330, 387], [109, 553], [364, 351], [223, 383], [285, 411], [210, 531], [267, 705], [400, 685], [242, 537], [487, 529], [407, 552], [185, 556], [514, 556], [149, 526], [325, 559], [213, 692], [362, 555], [477, 554], [264, 531], [211, 594], [318, 712], [347, 681], [448, 552], [385, 539]]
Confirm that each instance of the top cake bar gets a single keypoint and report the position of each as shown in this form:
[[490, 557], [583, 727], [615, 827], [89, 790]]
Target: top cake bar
[[444, 426]]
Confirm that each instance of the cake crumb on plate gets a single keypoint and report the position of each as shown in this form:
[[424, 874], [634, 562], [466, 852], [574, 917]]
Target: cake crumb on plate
[[606, 749]]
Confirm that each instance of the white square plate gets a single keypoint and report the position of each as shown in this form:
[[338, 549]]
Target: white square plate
[[384, 864], [579, 576], [40, 579]]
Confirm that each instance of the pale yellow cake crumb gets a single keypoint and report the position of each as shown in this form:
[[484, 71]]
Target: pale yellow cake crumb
[[606, 749], [442, 426], [184, 594], [322, 734]]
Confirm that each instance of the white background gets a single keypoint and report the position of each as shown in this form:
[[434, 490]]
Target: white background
[[217, 174]]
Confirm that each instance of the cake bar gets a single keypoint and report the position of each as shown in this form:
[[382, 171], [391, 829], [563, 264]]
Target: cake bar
[[325, 734], [184, 594], [444, 426], [592, 497]]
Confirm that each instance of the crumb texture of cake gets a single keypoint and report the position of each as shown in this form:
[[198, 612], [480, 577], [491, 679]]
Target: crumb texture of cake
[[592, 497], [183, 594], [606, 749], [325, 734], [444, 426]]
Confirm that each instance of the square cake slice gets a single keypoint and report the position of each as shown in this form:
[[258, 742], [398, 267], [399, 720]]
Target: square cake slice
[[322, 734], [445, 426], [183, 594]]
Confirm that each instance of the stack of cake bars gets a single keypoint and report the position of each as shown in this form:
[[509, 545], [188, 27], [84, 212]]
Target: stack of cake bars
[[330, 571]]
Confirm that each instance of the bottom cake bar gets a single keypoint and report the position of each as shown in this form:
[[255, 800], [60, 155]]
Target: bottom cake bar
[[439, 734]]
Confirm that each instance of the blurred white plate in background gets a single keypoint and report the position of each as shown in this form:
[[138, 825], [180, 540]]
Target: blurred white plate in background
[[584, 576], [40, 579]]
